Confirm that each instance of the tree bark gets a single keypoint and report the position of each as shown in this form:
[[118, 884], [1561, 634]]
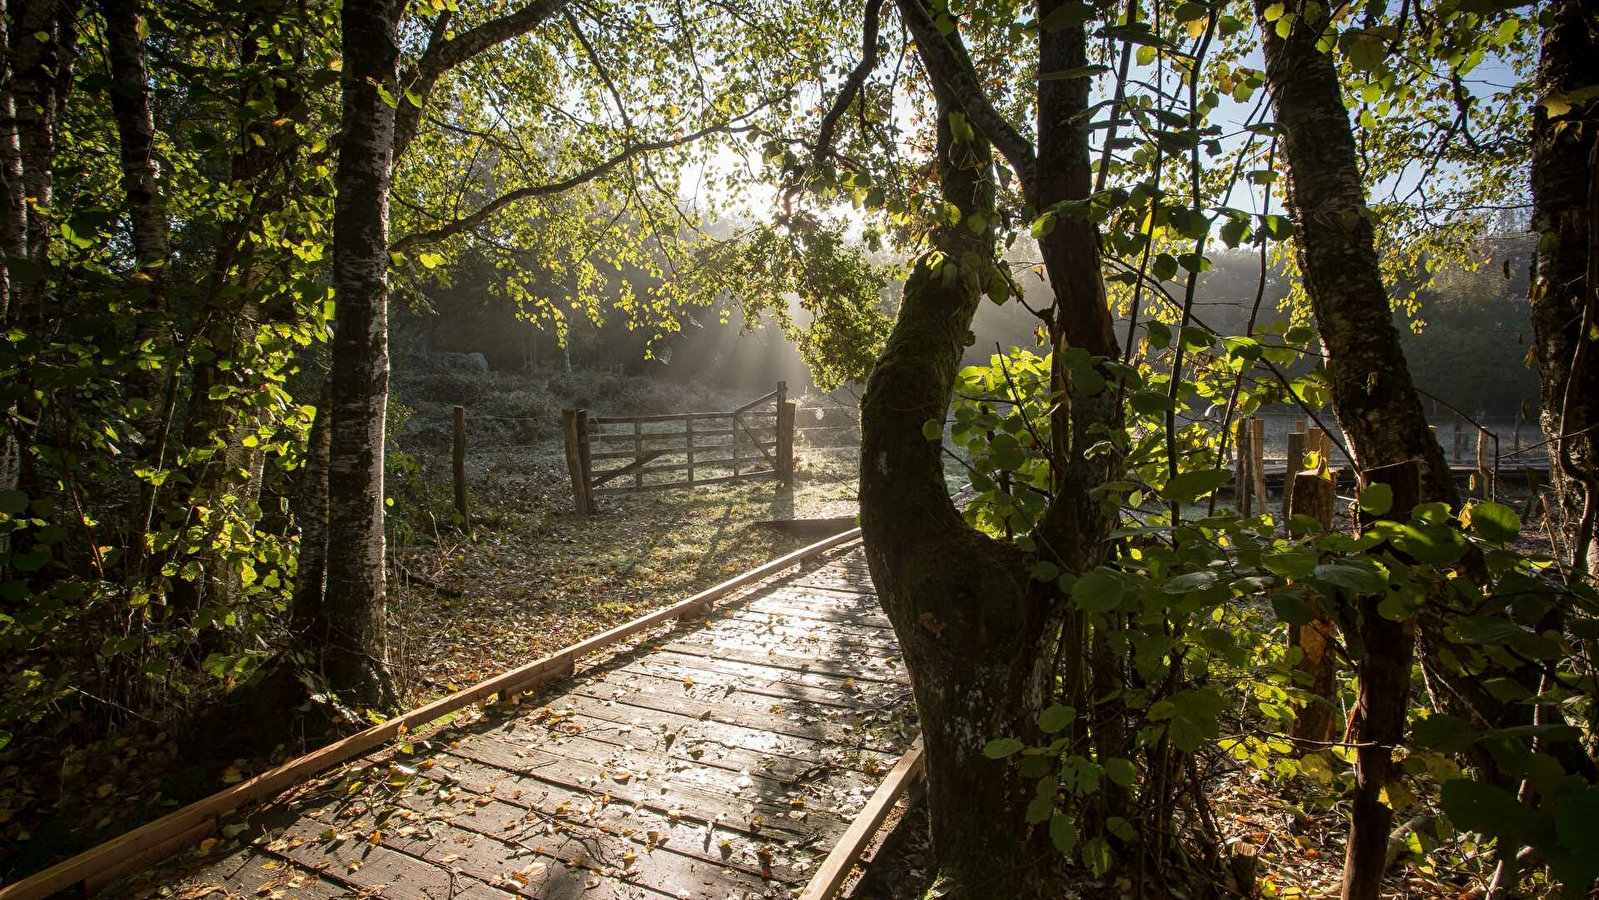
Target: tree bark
[[978, 645], [351, 621], [1373, 397], [135, 120], [1562, 184]]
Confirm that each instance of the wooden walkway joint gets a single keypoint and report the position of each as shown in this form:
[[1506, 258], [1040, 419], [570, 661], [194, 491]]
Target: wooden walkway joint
[[749, 753]]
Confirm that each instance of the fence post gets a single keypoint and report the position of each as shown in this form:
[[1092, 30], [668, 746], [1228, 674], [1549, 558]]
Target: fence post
[[1315, 497], [785, 441], [1257, 461], [638, 452], [574, 461], [459, 454], [689, 427], [785, 436], [1296, 464], [585, 459], [1484, 474], [1243, 474]]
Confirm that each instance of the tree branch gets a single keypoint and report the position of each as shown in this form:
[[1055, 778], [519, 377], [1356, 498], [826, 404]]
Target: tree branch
[[855, 81], [488, 210], [441, 57], [948, 63]]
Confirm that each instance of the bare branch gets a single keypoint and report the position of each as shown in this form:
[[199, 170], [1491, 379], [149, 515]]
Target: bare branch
[[487, 211], [443, 56]]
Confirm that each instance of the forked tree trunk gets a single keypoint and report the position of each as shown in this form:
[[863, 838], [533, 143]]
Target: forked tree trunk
[[979, 648], [350, 624], [1562, 185]]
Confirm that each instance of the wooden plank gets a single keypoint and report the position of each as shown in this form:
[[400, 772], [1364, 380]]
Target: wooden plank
[[811, 727], [700, 482], [701, 739], [681, 800], [830, 877], [730, 693], [704, 791], [786, 686], [500, 810], [163, 832], [681, 742], [633, 468], [872, 670], [578, 859]]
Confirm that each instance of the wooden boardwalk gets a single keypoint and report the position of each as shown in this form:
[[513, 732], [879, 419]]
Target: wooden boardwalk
[[717, 759]]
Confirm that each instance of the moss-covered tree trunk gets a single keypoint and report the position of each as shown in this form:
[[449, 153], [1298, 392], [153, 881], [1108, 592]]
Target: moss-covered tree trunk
[[1563, 149], [978, 644]]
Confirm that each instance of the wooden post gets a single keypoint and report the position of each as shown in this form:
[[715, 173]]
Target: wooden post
[[458, 452], [688, 425], [1243, 472], [1484, 471], [1377, 727], [785, 441], [574, 462], [1459, 452], [1257, 462], [1296, 464], [785, 451], [1319, 442], [638, 452], [732, 419], [1315, 497], [585, 459]]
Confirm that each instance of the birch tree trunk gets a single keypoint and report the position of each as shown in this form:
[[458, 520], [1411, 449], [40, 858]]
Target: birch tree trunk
[[130, 106], [1563, 183], [349, 629]]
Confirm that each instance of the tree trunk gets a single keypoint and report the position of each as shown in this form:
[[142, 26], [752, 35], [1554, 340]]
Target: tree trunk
[[1562, 147], [351, 622], [1373, 398], [1375, 402], [979, 648], [130, 106]]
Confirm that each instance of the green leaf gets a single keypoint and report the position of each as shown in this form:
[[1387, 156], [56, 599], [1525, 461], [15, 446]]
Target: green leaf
[[933, 430], [1098, 591], [1121, 771], [1376, 499], [1358, 574], [1055, 719], [1062, 833], [1187, 487], [1493, 812], [1445, 733], [1067, 15], [13, 502], [1495, 523], [1190, 581], [1002, 748]]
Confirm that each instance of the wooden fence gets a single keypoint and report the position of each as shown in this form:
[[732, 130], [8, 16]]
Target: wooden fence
[[676, 450]]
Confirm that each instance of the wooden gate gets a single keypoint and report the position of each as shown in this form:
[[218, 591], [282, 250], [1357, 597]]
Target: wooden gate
[[675, 450]]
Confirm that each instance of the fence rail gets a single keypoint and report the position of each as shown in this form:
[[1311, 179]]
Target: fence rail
[[755, 440]]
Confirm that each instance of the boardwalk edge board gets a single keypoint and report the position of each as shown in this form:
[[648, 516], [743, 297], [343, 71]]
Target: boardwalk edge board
[[148, 844], [825, 884]]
